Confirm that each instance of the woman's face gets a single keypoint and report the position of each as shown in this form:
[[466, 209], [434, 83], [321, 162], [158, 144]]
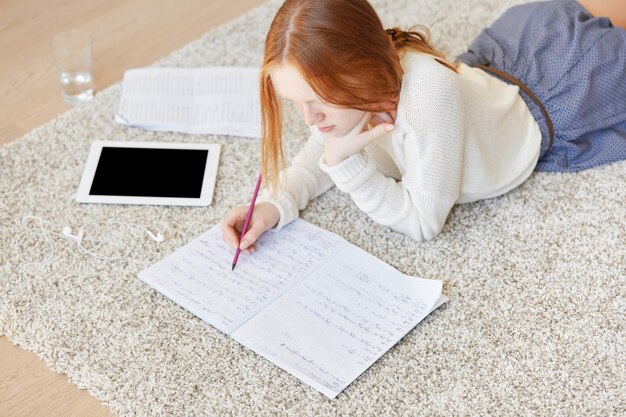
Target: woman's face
[[331, 120]]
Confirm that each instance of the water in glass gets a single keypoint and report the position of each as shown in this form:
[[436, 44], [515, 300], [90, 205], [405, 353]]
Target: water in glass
[[77, 87]]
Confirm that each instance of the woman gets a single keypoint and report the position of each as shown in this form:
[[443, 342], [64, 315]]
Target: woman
[[409, 134]]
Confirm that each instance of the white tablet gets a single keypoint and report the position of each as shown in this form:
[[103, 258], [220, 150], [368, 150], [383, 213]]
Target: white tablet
[[180, 174]]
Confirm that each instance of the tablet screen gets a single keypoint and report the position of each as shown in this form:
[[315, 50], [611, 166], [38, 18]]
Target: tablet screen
[[143, 172], [179, 174]]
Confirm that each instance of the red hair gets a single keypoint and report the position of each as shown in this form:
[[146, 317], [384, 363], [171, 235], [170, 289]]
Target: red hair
[[343, 52]]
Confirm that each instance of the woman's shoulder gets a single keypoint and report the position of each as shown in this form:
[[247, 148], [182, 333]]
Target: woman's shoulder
[[417, 64], [426, 78], [430, 91], [424, 73]]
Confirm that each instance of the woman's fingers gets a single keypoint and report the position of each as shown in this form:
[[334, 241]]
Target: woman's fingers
[[370, 135], [264, 217], [361, 125], [231, 226], [379, 118], [251, 235], [229, 235]]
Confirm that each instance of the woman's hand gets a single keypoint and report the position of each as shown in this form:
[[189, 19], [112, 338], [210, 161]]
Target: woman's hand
[[264, 217], [383, 117], [338, 149]]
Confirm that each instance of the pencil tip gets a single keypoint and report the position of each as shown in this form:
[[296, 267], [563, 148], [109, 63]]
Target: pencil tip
[[233, 268]]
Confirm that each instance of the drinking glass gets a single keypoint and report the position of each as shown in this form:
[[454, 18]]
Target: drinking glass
[[72, 57]]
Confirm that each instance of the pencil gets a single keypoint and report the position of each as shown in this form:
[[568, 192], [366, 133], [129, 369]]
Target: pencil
[[245, 224]]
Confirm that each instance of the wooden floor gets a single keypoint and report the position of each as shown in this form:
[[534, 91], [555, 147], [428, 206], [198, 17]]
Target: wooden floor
[[126, 34]]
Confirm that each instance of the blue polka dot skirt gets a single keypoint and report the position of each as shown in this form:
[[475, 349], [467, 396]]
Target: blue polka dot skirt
[[576, 65]]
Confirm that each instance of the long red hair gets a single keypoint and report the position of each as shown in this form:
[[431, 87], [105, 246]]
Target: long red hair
[[343, 52]]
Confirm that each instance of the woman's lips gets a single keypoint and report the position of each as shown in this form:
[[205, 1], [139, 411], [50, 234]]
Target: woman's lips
[[327, 128]]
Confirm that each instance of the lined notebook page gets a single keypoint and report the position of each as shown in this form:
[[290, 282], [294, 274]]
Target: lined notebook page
[[307, 300], [335, 324], [198, 276], [220, 100]]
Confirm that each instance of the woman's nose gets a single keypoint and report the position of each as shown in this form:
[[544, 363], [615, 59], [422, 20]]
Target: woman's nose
[[312, 116]]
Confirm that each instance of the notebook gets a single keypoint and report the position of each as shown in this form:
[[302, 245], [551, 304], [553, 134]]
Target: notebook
[[307, 300], [217, 100]]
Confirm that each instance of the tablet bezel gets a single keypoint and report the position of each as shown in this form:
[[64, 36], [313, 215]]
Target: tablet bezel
[[208, 182]]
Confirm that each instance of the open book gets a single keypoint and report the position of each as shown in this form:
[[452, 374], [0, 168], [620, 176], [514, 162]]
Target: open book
[[219, 100], [317, 306]]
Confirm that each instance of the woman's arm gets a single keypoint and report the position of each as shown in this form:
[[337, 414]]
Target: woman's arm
[[303, 181], [431, 129], [399, 205]]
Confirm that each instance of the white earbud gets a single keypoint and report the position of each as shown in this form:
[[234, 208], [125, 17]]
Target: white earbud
[[158, 238], [67, 232], [39, 227]]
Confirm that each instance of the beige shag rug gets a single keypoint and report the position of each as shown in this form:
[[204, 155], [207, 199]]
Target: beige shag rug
[[536, 278]]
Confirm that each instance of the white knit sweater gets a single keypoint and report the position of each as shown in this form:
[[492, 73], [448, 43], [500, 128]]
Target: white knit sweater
[[459, 137]]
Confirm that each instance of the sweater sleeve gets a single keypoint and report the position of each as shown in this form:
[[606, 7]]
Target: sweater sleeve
[[301, 182], [430, 121]]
